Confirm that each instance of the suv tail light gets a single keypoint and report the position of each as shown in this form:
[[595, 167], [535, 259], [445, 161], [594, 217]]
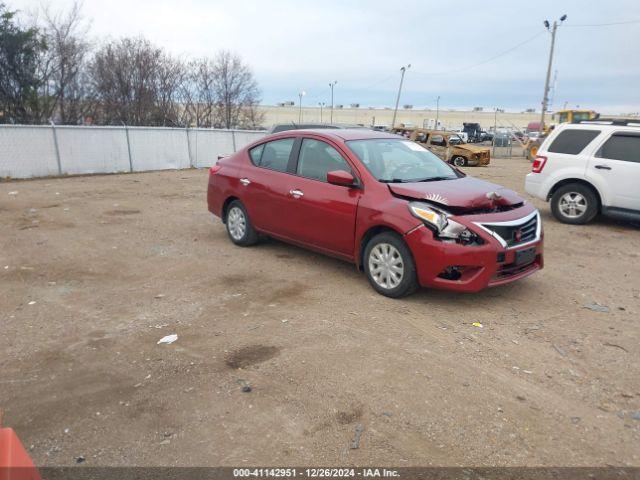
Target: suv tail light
[[213, 170], [538, 164]]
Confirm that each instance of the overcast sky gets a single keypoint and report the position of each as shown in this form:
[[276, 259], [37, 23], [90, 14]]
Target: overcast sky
[[297, 45]]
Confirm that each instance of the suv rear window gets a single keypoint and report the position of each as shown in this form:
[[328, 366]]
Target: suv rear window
[[572, 141]]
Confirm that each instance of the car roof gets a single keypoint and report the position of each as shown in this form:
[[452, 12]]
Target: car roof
[[348, 133], [599, 125]]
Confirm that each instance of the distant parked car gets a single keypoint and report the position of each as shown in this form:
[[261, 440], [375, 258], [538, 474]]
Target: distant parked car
[[486, 136], [589, 168], [451, 148], [533, 136]]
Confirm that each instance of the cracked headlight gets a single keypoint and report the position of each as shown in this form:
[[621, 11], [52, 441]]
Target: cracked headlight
[[446, 230], [430, 215]]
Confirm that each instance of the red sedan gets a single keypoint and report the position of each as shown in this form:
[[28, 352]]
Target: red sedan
[[387, 204]]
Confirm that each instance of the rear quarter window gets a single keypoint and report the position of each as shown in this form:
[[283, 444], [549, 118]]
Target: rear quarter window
[[572, 141], [256, 153]]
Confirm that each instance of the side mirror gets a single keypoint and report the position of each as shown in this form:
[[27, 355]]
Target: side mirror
[[340, 177]]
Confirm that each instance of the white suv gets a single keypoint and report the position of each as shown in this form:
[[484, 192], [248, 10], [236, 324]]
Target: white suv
[[589, 168]]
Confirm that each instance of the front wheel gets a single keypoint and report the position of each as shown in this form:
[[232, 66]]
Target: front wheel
[[574, 204], [460, 161], [389, 266], [239, 227]]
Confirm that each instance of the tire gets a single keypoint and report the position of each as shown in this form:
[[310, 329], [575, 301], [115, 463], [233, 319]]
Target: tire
[[575, 204], [459, 161], [383, 279], [532, 151], [239, 227]]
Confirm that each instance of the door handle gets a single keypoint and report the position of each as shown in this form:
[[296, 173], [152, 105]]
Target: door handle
[[296, 193], [603, 167], [245, 181]]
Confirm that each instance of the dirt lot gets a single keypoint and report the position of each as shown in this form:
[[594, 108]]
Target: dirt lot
[[95, 270]]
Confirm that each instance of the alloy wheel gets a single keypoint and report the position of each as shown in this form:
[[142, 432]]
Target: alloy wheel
[[459, 161], [236, 223], [386, 265], [573, 205]]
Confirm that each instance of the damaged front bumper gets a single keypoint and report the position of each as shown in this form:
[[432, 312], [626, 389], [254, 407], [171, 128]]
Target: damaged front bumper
[[471, 268]]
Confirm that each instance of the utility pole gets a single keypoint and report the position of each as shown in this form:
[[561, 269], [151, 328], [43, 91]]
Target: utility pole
[[321, 104], [301, 94], [395, 112], [332, 84], [545, 97], [437, 112]]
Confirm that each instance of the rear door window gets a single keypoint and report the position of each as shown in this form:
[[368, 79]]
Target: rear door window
[[621, 146], [572, 141], [274, 155], [318, 158]]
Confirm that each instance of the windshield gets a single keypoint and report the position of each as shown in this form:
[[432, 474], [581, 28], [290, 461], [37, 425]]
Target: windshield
[[400, 161]]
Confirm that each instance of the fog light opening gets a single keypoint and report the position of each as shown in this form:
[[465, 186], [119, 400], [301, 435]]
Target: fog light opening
[[454, 272]]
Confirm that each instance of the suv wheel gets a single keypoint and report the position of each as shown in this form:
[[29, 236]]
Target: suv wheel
[[574, 203], [459, 161], [239, 227], [389, 266]]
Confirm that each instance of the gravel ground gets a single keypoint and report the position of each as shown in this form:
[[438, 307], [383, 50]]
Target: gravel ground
[[95, 270]]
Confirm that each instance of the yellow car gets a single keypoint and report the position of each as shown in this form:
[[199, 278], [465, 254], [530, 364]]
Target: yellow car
[[451, 148]]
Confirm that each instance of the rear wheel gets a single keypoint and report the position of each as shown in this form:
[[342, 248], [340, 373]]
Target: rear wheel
[[459, 161], [239, 227], [574, 203], [389, 266]]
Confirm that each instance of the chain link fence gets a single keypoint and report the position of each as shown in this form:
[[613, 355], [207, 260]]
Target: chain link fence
[[28, 151]]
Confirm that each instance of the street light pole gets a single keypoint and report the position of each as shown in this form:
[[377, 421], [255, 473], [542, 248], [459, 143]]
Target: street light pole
[[395, 112], [301, 94], [332, 84], [545, 97], [437, 112], [321, 104]]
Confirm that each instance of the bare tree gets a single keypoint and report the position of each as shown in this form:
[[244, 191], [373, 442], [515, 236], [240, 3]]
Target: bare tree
[[136, 82], [170, 76], [67, 51], [200, 95], [51, 71], [251, 117], [234, 87]]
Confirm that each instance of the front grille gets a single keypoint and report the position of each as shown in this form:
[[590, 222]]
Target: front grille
[[516, 234]]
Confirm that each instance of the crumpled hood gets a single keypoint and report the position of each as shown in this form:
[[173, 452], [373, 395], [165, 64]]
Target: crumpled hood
[[473, 148], [462, 193]]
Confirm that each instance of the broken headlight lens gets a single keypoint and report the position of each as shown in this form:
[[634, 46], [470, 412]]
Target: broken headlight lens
[[446, 230], [432, 216]]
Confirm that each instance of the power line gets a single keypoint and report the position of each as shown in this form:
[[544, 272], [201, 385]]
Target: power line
[[378, 83], [601, 24], [491, 59]]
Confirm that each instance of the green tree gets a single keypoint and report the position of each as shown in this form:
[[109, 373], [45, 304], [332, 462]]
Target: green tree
[[20, 71]]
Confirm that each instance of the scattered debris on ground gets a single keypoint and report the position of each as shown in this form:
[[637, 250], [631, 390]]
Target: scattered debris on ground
[[168, 339], [355, 443], [596, 307]]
